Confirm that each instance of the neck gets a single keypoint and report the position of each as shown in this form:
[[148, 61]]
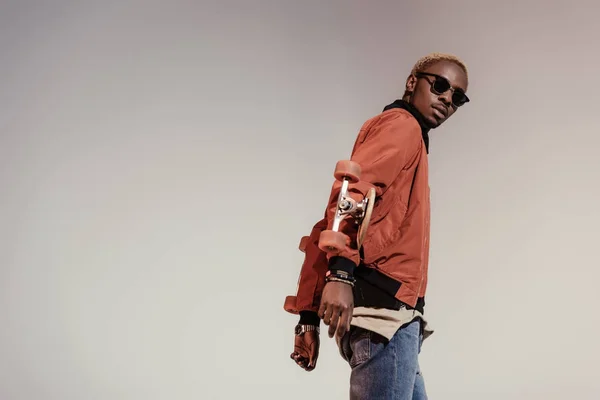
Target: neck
[[401, 103]]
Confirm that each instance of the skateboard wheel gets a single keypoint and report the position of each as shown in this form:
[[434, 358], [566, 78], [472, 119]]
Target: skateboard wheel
[[347, 169], [303, 243], [290, 304], [332, 241]]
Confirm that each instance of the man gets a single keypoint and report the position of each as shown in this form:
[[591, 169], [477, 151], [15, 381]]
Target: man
[[373, 298]]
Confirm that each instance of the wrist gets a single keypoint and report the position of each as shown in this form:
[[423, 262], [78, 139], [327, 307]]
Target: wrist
[[343, 264], [339, 276], [300, 329]]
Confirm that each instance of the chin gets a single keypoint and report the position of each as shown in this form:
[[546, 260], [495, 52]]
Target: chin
[[433, 122]]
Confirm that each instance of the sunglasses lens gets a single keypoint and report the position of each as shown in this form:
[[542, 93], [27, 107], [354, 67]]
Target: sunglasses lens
[[441, 85], [459, 99]]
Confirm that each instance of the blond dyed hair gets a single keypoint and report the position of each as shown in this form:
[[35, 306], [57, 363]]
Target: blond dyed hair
[[425, 62]]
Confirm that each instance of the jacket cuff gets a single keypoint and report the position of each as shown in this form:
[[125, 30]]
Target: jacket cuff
[[339, 263], [309, 318]]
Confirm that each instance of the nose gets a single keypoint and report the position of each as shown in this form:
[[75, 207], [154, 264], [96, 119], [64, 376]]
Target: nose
[[446, 97]]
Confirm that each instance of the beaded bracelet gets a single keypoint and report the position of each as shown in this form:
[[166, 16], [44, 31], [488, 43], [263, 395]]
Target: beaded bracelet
[[335, 279], [340, 276]]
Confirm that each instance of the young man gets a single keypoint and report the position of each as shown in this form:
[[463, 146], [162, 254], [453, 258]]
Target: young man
[[375, 304]]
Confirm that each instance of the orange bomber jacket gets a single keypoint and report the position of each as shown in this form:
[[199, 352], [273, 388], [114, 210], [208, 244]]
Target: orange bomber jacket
[[391, 268]]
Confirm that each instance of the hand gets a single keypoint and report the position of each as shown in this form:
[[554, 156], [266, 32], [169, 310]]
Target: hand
[[337, 304], [306, 350]]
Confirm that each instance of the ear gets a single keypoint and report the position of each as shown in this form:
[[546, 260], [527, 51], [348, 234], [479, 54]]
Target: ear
[[411, 82]]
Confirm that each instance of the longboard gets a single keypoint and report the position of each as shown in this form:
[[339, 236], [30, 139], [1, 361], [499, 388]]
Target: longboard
[[332, 240]]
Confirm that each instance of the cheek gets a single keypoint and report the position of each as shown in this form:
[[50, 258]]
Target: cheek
[[424, 97]]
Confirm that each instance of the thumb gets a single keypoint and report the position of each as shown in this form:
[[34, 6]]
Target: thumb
[[312, 355]]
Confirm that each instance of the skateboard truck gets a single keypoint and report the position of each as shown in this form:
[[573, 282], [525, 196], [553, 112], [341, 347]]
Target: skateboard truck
[[333, 241]]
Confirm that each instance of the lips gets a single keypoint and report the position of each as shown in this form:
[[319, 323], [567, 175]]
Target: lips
[[441, 109]]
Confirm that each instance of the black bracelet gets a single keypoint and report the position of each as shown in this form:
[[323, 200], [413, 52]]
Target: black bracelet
[[339, 276]]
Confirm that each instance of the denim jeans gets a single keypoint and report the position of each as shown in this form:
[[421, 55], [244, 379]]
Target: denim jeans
[[382, 369]]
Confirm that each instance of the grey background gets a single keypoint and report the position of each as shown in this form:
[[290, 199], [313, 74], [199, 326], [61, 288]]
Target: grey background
[[159, 162]]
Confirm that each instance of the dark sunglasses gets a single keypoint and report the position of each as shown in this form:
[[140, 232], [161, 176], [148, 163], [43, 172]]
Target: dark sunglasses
[[441, 85]]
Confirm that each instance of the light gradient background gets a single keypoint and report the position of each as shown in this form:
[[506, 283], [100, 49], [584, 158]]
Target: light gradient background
[[159, 162]]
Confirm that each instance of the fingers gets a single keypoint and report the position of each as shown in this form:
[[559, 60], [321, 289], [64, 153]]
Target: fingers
[[336, 309], [339, 324], [333, 323], [322, 308], [301, 353], [330, 316], [306, 350], [329, 312], [343, 325], [300, 360], [304, 363], [312, 362]]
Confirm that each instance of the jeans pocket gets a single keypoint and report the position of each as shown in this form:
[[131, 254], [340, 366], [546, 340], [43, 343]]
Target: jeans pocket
[[360, 345], [344, 347]]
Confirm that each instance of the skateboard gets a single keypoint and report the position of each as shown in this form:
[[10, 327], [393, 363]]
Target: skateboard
[[332, 240]]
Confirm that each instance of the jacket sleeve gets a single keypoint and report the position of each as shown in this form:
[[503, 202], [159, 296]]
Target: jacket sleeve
[[312, 277], [384, 146], [383, 152]]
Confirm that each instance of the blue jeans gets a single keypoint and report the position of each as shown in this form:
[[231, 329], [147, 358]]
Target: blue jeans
[[383, 369]]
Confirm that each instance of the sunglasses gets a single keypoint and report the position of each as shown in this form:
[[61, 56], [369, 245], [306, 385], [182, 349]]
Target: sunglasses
[[441, 85]]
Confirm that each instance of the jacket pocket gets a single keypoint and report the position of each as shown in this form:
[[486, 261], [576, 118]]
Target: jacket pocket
[[383, 229], [383, 207]]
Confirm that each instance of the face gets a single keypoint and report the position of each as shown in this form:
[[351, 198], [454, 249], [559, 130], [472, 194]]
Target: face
[[432, 95]]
